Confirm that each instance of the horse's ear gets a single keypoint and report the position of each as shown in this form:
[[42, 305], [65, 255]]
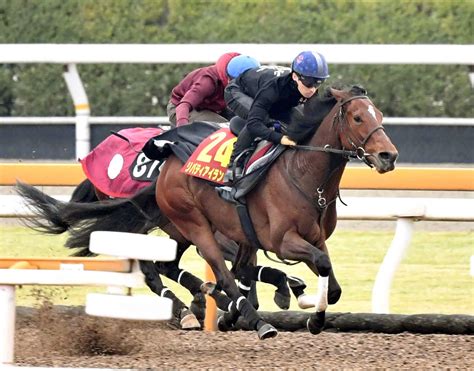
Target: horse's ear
[[338, 94]]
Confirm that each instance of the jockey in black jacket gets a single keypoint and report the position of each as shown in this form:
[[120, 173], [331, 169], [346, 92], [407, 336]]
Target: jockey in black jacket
[[272, 92]]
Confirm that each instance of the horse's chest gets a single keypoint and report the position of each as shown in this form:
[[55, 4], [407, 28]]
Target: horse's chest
[[317, 229]]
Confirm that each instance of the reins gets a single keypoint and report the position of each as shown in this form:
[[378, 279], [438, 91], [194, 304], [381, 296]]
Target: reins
[[328, 149], [359, 151]]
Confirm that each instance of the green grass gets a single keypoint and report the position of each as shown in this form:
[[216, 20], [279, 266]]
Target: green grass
[[433, 277]]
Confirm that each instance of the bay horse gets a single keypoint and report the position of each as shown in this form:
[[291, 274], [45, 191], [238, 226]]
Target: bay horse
[[90, 209], [353, 119], [86, 192], [293, 210]]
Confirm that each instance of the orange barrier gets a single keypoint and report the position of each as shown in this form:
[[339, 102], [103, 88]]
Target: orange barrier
[[408, 178], [210, 320], [87, 264], [48, 174]]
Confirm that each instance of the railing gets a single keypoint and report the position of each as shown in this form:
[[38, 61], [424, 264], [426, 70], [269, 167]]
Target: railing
[[119, 275], [163, 120], [72, 54]]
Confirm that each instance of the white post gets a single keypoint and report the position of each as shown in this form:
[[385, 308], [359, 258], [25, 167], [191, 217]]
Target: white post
[[7, 324], [81, 106], [391, 261]]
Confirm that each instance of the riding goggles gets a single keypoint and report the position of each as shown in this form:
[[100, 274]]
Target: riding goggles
[[310, 82]]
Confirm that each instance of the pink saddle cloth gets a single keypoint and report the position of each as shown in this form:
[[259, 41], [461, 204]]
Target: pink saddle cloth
[[117, 167]]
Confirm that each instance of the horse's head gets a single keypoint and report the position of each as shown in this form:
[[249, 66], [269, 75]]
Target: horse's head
[[361, 130]]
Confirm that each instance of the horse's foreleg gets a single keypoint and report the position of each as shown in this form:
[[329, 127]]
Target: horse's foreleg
[[181, 312], [229, 249], [294, 247], [335, 290]]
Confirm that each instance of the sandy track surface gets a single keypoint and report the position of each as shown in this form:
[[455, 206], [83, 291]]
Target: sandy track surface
[[71, 339]]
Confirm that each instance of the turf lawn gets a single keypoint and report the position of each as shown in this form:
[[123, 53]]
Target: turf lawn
[[434, 276]]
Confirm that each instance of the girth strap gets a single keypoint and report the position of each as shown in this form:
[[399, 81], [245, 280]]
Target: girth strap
[[247, 224]]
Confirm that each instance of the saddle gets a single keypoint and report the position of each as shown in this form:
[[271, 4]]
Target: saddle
[[205, 149]]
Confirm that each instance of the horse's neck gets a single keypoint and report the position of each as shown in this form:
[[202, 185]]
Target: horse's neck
[[316, 166]]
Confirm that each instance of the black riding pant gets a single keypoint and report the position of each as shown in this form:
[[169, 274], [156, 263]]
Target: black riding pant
[[243, 142]]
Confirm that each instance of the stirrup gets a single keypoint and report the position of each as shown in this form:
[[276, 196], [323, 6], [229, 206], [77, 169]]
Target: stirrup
[[233, 174], [229, 176]]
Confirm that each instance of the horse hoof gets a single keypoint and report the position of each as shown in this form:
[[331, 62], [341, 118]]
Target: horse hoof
[[283, 301], [208, 287], [306, 301], [315, 322], [296, 282], [223, 325], [267, 331], [334, 296], [198, 306], [189, 322]]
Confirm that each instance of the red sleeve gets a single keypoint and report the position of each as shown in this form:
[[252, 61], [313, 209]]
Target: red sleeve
[[182, 113], [204, 87]]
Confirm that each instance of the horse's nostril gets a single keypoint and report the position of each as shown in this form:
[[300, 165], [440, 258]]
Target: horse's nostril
[[388, 156]]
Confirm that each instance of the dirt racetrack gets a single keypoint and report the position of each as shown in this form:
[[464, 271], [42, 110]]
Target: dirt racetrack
[[52, 338]]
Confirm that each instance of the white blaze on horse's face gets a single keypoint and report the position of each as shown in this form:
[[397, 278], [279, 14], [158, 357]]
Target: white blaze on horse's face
[[372, 111]]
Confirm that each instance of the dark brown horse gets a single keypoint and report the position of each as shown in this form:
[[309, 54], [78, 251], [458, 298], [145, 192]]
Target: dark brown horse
[[293, 210]]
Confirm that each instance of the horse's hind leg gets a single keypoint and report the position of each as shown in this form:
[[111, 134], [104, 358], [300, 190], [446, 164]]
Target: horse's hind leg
[[192, 283], [181, 312], [297, 286], [268, 275], [203, 238]]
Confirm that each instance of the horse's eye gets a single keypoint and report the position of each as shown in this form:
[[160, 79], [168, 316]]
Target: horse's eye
[[358, 119]]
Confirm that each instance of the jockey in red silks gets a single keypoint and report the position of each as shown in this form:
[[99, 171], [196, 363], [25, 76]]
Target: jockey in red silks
[[200, 95]]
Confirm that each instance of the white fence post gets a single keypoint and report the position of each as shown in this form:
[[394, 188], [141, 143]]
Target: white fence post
[[81, 106], [395, 253], [7, 324]]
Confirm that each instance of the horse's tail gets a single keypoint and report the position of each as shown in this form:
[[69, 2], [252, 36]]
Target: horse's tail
[[138, 214], [46, 216], [84, 192]]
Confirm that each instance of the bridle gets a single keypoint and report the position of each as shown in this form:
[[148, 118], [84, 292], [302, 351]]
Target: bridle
[[358, 151], [346, 130]]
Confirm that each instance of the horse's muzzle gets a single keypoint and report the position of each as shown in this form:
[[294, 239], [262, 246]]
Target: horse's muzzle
[[384, 161]]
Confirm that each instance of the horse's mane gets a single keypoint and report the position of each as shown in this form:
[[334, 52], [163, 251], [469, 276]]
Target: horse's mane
[[305, 123]]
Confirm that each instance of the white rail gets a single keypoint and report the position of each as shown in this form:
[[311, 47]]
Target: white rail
[[208, 53], [406, 211], [72, 54], [163, 120]]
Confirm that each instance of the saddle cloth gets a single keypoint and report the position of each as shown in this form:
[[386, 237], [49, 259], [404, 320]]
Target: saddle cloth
[[117, 167]]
